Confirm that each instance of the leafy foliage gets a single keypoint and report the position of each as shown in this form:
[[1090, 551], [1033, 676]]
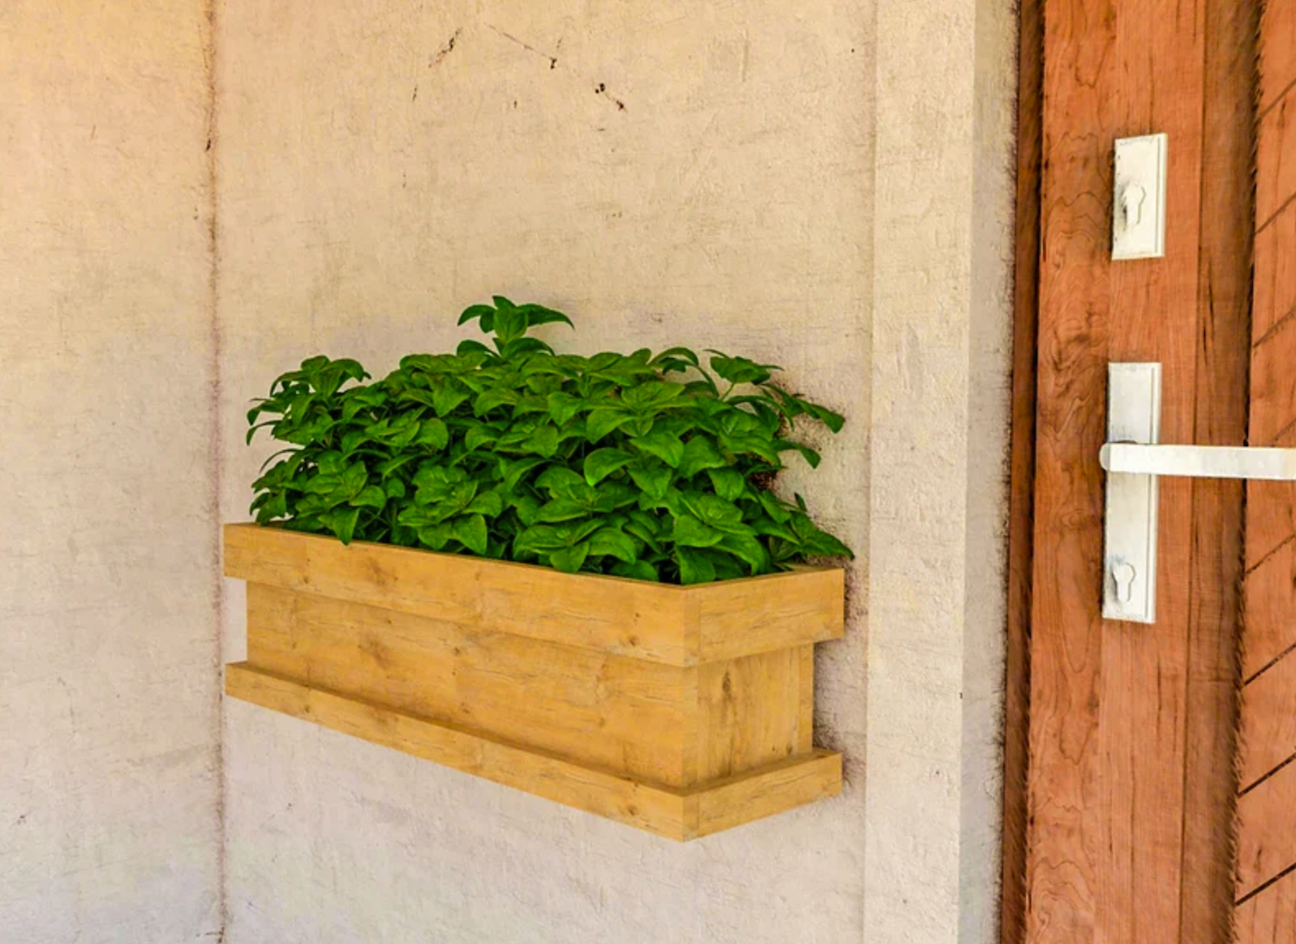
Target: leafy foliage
[[637, 465]]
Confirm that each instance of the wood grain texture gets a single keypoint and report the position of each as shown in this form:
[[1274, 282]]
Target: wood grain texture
[[1030, 116], [1220, 418], [679, 814], [1270, 592], [633, 618], [1277, 52], [1065, 856], [477, 662], [1266, 826], [601, 710], [749, 712], [1130, 776], [1276, 160], [1269, 722], [1266, 831], [1269, 917], [1275, 274]]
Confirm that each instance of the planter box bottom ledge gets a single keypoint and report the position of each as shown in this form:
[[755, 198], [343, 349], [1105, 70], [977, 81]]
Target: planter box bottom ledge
[[675, 813]]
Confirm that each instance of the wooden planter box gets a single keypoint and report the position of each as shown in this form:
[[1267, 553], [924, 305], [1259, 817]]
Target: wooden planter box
[[679, 710]]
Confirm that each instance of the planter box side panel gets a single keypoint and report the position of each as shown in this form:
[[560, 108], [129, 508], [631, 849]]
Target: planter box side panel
[[626, 715], [754, 711], [662, 623], [624, 617], [764, 614]]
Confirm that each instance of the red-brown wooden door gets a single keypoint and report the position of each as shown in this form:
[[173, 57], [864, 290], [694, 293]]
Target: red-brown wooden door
[[1160, 796]]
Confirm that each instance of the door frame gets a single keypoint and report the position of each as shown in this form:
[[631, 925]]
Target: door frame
[[1021, 498]]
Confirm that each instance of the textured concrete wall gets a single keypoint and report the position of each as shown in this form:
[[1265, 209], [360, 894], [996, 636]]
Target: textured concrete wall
[[108, 633], [937, 539], [779, 180]]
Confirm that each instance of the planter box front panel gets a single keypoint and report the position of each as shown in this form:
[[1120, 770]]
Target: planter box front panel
[[599, 680]]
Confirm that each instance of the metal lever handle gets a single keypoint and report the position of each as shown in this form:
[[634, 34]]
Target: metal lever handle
[[1135, 461], [1207, 462]]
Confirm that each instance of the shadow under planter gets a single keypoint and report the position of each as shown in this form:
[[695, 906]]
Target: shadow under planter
[[683, 711]]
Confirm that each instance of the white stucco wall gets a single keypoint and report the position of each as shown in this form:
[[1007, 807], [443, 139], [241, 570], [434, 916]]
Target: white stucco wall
[[727, 205], [109, 783], [937, 533], [824, 185]]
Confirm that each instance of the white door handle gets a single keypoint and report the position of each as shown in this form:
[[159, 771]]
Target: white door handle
[[1135, 460], [1200, 462]]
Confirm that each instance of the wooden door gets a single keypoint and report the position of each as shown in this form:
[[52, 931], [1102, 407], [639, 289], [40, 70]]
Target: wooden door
[[1157, 763]]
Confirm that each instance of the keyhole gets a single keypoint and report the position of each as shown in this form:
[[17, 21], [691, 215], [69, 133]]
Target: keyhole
[[1132, 198], [1124, 575]]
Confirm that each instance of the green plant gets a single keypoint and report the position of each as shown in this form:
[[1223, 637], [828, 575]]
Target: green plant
[[635, 465]]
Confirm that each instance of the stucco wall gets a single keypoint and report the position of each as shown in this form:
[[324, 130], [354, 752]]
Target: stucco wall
[[375, 181], [108, 635], [939, 427], [822, 185]]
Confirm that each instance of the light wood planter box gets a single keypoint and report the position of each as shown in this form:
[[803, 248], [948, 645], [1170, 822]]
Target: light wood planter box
[[679, 710]]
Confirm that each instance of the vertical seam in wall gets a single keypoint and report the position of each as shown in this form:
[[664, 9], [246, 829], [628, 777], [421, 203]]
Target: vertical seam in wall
[[215, 444]]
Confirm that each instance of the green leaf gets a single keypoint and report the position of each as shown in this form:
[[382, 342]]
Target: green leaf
[[494, 397], [467, 348], [394, 488], [690, 532], [539, 314], [639, 570], [470, 531], [342, 522], [694, 566], [489, 503], [484, 314], [713, 510], [740, 370], [331, 462], [544, 441], [434, 434], [834, 421], [700, 453], [653, 479], [354, 478], [667, 360], [775, 507], [771, 528], [602, 421], [823, 544], [512, 470], [601, 463], [436, 537], [665, 446], [481, 434], [610, 541], [810, 456], [389, 466], [541, 539], [447, 396], [569, 560], [353, 440], [372, 496], [562, 509], [749, 550], [563, 406], [527, 507], [323, 484], [728, 483], [560, 481]]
